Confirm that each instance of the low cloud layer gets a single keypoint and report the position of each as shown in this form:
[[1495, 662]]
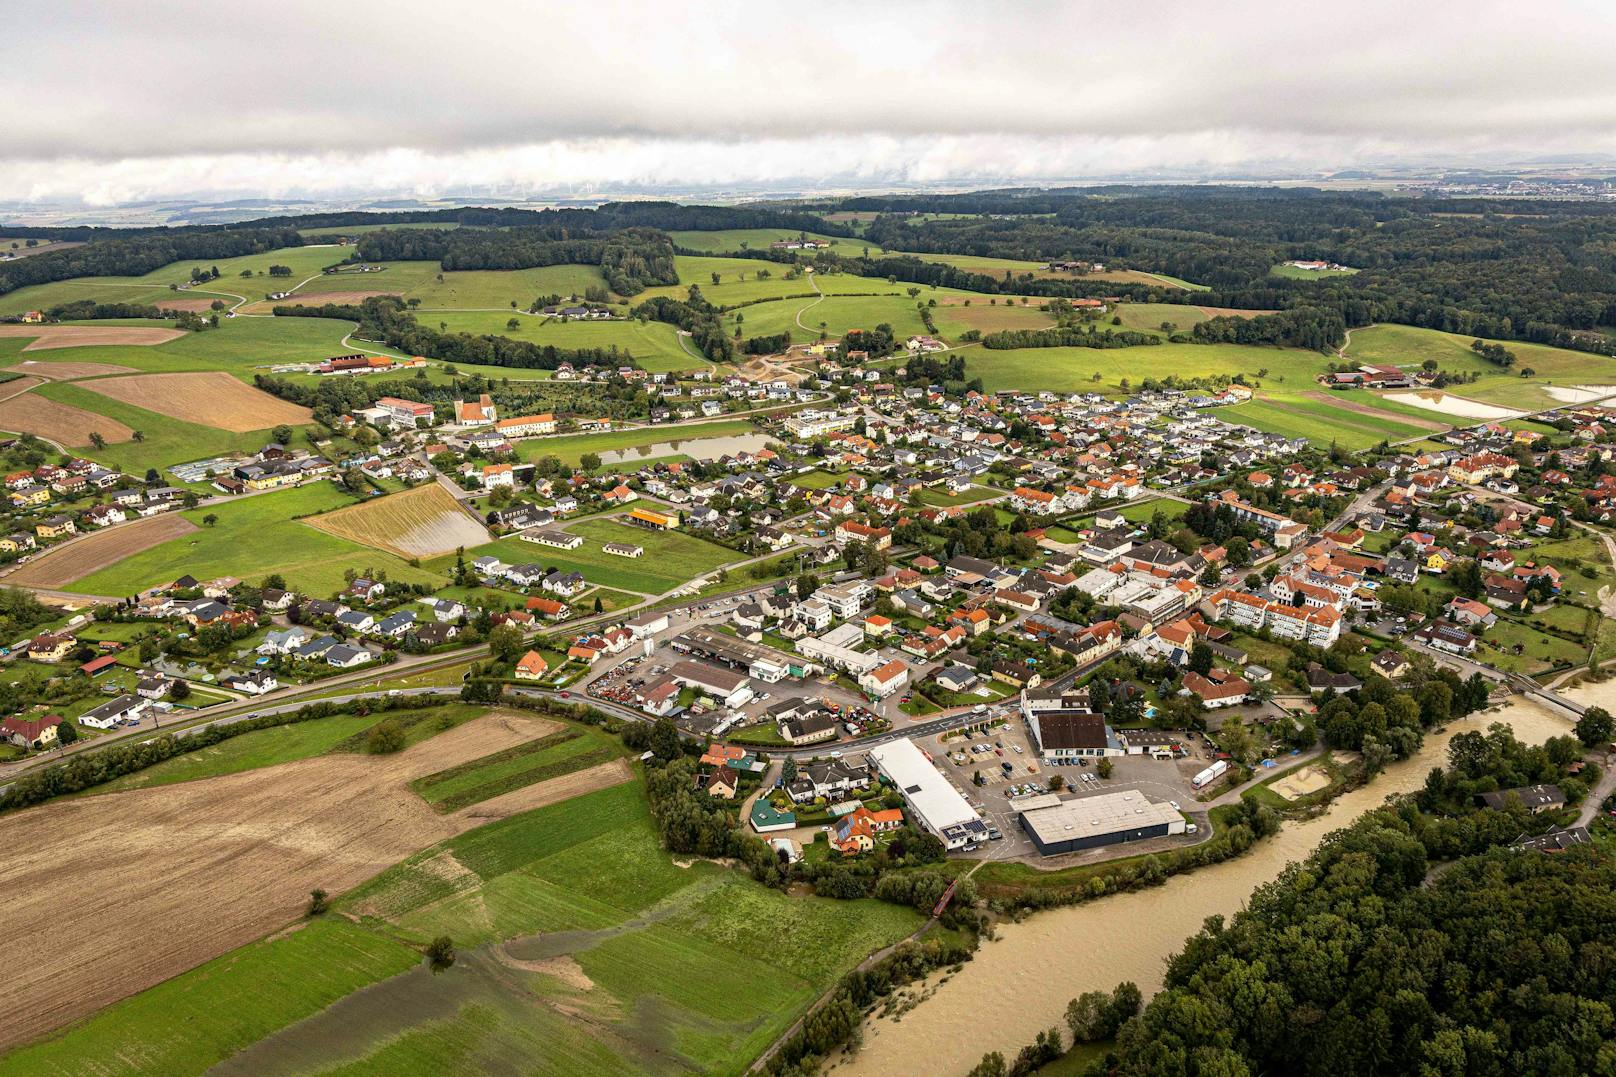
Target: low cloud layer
[[113, 103]]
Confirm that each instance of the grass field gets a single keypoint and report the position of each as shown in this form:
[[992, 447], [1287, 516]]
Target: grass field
[[1141, 511], [253, 537], [1296, 416], [653, 345], [571, 449], [671, 558], [1073, 369], [838, 313]]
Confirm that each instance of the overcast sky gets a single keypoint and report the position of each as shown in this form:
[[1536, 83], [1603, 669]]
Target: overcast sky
[[124, 101]]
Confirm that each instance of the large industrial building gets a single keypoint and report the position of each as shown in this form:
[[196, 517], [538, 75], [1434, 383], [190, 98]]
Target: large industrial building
[[1066, 826], [1072, 734], [933, 803]]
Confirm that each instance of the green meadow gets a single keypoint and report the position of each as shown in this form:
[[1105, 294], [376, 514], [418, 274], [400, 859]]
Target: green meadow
[[1408, 347], [1296, 416], [758, 239], [1298, 273], [1073, 369], [253, 537]]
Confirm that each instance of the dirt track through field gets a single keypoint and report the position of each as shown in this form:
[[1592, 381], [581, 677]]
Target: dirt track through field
[[1335, 401], [62, 565], [320, 299], [138, 887], [67, 371], [89, 336], [30, 413], [210, 398]]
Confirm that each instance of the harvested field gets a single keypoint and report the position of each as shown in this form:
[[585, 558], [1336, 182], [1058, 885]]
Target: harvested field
[[157, 881], [67, 371], [18, 386], [89, 336], [194, 306], [423, 522], [62, 565], [320, 299], [1335, 401], [211, 398], [552, 791], [30, 413]]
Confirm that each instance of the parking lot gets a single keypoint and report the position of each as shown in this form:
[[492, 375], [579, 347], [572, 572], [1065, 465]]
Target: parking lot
[[961, 758]]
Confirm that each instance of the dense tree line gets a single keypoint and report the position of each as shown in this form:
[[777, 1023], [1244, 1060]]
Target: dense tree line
[[124, 255], [1363, 961], [636, 258], [482, 248], [1304, 327], [384, 318], [768, 345], [697, 317], [667, 216], [86, 310], [1070, 336]]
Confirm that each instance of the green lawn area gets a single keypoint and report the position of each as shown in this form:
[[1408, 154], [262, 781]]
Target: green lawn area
[[1137, 511], [839, 313], [1540, 651], [943, 499], [670, 559], [570, 449], [480, 288], [255, 536], [986, 316], [816, 480]]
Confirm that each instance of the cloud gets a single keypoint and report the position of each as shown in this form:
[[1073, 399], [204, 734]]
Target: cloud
[[116, 102]]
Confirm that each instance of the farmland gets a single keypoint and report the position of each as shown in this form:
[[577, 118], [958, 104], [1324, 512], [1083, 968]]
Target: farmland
[[565, 751], [1299, 273], [1324, 421], [738, 239], [209, 399], [50, 337], [238, 855], [1408, 347], [99, 550], [1073, 369], [676, 968], [253, 537], [654, 345], [423, 522]]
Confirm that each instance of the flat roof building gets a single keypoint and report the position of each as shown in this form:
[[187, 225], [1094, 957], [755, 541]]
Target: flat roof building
[[1107, 819], [934, 803]]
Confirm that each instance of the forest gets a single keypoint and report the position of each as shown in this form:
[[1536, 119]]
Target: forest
[[1408, 943], [1532, 270], [138, 254]]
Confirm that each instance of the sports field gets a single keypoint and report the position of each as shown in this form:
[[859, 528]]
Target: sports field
[[253, 537], [423, 522]]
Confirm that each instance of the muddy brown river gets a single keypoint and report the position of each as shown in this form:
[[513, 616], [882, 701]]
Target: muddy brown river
[[1021, 983]]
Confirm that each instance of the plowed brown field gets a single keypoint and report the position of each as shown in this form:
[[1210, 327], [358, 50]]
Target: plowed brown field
[[67, 371], [30, 413], [140, 886], [88, 336], [211, 398], [61, 565]]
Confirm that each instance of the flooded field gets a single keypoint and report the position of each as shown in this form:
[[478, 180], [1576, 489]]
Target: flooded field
[[1457, 406], [1579, 394], [1021, 983], [695, 448]]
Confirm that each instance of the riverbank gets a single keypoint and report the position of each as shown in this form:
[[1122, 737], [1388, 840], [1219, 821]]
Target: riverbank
[[1020, 983]]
